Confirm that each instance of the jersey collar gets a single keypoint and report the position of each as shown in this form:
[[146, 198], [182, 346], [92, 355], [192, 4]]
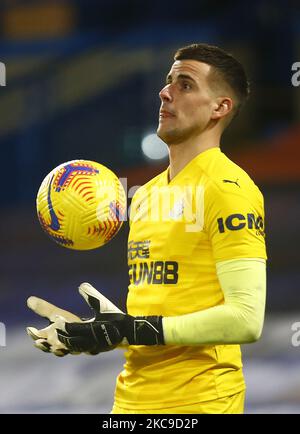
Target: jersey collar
[[200, 160]]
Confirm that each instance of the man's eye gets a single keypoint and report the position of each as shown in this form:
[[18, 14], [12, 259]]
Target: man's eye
[[186, 86]]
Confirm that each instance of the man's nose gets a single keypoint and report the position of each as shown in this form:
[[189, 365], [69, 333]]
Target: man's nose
[[165, 94]]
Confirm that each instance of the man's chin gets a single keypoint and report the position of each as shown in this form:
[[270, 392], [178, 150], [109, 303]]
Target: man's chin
[[169, 137], [166, 136]]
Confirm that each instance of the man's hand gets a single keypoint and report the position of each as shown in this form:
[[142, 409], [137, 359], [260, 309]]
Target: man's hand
[[109, 328], [46, 339]]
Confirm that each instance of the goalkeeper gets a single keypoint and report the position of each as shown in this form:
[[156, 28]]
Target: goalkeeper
[[197, 273]]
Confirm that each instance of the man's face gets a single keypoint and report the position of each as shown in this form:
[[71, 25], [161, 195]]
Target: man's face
[[187, 102]]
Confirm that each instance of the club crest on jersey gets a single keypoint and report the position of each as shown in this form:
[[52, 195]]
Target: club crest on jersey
[[177, 211]]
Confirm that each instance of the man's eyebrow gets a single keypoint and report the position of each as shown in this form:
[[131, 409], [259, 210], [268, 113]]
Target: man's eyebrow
[[181, 77]]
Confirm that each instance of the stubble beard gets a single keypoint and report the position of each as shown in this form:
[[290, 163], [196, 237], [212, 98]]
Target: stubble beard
[[177, 136]]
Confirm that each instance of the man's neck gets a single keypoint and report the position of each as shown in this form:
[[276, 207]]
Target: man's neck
[[181, 154]]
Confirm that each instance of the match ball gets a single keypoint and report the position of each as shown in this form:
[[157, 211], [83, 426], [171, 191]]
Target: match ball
[[81, 205]]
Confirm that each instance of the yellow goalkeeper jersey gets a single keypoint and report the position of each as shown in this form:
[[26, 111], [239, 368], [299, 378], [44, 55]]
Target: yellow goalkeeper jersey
[[210, 211]]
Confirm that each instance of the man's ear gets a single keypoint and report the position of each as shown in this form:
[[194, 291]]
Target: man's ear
[[223, 107]]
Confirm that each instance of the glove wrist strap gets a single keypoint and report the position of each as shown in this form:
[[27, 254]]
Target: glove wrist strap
[[147, 330]]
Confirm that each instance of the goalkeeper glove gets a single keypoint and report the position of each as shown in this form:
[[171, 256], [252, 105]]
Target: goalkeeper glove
[[46, 339], [108, 329]]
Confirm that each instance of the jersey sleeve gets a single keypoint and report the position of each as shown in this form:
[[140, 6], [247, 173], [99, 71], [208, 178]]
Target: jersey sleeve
[[235, 223]]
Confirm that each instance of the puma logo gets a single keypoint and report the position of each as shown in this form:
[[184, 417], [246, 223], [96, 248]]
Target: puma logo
[[232, 182]]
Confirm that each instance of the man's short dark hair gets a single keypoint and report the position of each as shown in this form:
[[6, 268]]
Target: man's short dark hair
[[225, 67]]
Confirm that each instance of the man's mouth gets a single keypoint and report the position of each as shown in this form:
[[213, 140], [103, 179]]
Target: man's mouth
[[165, 114]]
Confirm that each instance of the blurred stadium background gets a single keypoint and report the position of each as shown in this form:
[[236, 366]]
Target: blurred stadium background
[[82, 81]]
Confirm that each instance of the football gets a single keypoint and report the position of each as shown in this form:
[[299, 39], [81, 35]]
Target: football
[[81, 205]]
